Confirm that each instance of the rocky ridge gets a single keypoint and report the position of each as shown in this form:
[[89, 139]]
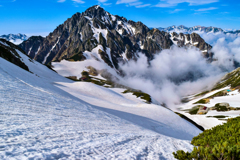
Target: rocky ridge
[[114, 39], [189, 30], [10, 52]]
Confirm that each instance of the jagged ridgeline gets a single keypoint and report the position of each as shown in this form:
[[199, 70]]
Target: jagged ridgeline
[[114, 38]]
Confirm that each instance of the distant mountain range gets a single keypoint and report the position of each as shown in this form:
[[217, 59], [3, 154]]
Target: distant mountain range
[[189, 30], [15, 38]]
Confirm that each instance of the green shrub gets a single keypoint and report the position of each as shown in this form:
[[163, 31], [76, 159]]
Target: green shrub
[[140, 94], [220, 108], [202, 101], [232, 79], [194, 110], [219, 116], [203, 93], [219, 143]]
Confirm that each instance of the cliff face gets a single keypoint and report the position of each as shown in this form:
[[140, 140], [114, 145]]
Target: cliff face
[[119, 39]]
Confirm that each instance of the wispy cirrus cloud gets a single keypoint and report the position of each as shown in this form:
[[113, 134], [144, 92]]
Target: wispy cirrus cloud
[[107, 4], [173, 3], [205, 9], [61, 1], [78, 1], [126, 1], [135, 3], [102, 1], [176, 10], [142, 6]]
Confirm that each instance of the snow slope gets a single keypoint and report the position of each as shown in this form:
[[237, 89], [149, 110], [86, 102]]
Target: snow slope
[[41, 120], [233, 98]]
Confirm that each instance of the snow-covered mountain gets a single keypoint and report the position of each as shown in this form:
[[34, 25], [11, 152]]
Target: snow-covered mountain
[[112, 38], [197, 29], [15, 38], [47, 116]]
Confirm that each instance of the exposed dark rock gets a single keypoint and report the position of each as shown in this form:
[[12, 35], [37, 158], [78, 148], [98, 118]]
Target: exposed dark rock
[[9, 53], [85, 31]]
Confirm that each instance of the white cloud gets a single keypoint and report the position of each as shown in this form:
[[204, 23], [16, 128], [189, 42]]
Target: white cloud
[[135, 3], [107, 4], [142, 6], [177, 10], [61, 1], [171, 75], [125, 1], [227, 52], [206, 9], [102, 1], [78, 1], [165, 5], [172, 3], [177, 72]]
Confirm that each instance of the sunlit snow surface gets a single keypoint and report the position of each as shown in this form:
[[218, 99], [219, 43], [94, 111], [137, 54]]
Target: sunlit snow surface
[[232, 98], [40, 119]]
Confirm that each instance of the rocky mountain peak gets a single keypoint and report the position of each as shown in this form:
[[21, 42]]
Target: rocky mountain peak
[[96, 12], [100, 35]]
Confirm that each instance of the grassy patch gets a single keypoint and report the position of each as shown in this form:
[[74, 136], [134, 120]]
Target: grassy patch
[[202, 101], [194, 110], [219, 108], [218, 116], [140, 94], [219, 94], [232, 79], [201, 94]]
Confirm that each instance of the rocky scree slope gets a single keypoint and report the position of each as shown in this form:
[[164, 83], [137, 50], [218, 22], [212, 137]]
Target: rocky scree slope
[[116, 39]]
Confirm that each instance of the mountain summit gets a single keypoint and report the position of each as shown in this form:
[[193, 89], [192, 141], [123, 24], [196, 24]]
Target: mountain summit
[[100, 35]]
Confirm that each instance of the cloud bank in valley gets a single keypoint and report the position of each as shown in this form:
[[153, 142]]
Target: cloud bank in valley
[[172, 74], [179, 72]]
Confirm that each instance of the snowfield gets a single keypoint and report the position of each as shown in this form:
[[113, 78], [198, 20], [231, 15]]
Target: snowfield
[[232, 98], [46, 116]]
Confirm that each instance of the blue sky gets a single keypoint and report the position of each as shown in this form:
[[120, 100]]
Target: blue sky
[[43, 16]]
